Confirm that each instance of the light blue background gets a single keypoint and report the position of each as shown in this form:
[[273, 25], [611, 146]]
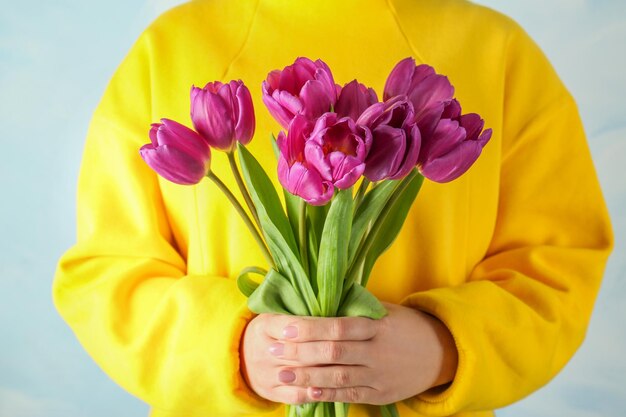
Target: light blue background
[[55, 60]]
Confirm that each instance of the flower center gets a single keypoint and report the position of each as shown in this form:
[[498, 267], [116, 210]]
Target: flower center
[[339, 138]]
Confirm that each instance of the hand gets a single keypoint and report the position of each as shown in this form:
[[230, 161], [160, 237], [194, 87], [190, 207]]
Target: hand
[[294, 360]]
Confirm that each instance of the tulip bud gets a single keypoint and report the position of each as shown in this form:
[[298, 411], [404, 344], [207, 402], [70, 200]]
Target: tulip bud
[[453, 148], [223, 114], [337, 148], [177, 153], [305, 87], [294, 172], [428, 91], [354, 99], [396, 140]]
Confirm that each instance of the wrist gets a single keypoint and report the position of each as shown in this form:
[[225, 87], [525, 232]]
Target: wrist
[[447, 356]]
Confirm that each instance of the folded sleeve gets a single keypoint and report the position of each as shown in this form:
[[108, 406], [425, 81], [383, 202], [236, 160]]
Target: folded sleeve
[[525, 307], [167, 337]]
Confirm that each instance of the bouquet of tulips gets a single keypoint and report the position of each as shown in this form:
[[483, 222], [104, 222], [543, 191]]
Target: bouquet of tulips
[[323, 238]]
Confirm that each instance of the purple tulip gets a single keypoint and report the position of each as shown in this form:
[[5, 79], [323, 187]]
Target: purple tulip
[[294, 172], [354, 99], [177, 153], [305, 88], [429, 92], [223, 114], [396, 139], [337, 148], [454, 147]]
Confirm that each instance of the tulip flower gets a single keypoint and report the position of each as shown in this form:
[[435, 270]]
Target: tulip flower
[[223, 114], [177, 153], [305, 88], [294, 172], [429, 92], [337, 148], [453, 148], [396, 139], [354, 99]]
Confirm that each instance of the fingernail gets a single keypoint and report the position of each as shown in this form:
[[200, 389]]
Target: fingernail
[[316, 393], [277, 349], [286, 376], [290, 332]]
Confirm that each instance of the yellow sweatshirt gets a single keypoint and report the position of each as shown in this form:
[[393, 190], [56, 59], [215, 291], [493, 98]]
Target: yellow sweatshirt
[[509, 256]]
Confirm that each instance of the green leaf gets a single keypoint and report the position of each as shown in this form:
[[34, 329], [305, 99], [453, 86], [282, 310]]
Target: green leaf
[[392, 219], [276, 228], [320, 411], [292, 203], [313, 250], [368, 211], [264, 195], [359, 302], [317, 218], [276, 295], [274, 145], [303, 410], [246, 284], [332, 262]]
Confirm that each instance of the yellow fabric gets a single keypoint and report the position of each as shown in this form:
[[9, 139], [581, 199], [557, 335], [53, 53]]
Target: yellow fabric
[[509, 256]]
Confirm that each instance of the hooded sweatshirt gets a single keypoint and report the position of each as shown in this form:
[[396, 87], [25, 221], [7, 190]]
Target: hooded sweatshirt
[[509, 256]]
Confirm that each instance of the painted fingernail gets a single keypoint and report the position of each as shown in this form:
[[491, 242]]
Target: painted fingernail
[[277, 349], [286, 376], [316, 393], [290, 332]]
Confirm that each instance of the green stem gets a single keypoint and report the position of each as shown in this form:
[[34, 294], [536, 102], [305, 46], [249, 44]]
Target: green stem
[[242, 187], [361, 193], [255, 233], [340, 410], [302, 236], [366, 246]]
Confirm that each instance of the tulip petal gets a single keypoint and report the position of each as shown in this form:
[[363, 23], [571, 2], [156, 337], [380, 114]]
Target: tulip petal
[[473, 124], [174, 165], [484, 137], [314, 155], [244, 129], [428, 119], [271, 82], [370, 114], [453, 164], [448, 135], [420, 73], [323, 75], [315, 100], [278, 112], [287, 80], [212, 117], [386, 154], [304, 182], [290, 102], [354, 99], [346, 169], [414, 143], [434, 90], [306, 65], [399, 79], [176, 135], [154, 127], [452, 110]]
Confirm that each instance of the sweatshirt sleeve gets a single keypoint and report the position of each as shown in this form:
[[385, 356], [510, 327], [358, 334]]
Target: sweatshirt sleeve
[[169, 338], [525, 307]]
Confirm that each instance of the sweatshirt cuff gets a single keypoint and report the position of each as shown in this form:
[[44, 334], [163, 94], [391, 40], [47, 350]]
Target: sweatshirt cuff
[[444, 400]]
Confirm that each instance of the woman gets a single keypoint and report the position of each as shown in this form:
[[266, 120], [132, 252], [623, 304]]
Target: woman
[[489, 286]]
